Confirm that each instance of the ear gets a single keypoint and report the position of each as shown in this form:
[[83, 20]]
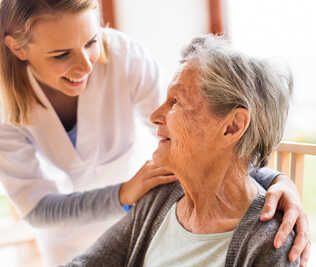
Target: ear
[[12, 44], [236, 125]]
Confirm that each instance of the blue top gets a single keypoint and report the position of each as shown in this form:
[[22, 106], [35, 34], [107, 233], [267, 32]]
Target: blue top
[[73, 137]]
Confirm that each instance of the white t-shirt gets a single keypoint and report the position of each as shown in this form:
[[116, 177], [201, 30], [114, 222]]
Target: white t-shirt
[[172, 245]]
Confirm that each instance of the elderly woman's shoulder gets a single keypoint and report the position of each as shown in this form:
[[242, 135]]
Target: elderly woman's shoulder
[[256, 238], [161, 196], [173, 190]]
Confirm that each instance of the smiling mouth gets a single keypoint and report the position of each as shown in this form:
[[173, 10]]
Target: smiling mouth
[[75, 81]]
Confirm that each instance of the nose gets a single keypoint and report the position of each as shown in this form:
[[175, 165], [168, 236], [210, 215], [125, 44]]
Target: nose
[[158, 116], [83, 63]]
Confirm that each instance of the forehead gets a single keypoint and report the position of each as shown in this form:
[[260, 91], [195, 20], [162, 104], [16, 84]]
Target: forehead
[[65, 30], [185, 82]]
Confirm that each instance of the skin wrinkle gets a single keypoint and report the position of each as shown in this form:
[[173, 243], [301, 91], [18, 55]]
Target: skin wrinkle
[[192, 117], [197, 137], [217, 195]]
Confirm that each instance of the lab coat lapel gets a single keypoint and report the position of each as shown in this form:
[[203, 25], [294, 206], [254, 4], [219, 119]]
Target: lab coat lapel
[[88, 118], [49, 132]]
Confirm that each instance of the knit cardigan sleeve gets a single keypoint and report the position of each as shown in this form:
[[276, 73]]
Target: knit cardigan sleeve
[[110, 249], [126, 242]]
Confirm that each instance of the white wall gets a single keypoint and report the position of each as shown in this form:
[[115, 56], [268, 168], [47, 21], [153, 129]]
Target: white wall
[[283, 29], [163, 27], [270, 28]]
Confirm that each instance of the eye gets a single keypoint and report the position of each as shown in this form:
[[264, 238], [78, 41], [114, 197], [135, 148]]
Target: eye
[[62, 56], [173, 101], [89, 44]]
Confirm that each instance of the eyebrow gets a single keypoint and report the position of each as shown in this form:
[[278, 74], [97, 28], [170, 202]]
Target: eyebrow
[[181, 89], [67, 50]]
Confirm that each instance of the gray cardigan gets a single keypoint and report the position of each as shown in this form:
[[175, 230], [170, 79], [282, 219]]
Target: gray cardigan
[[125, 243]]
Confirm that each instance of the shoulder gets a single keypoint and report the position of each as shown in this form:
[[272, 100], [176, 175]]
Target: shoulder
[[118, 43], [115, 39], [262, 240], [129, 52], [158, 199], [10, 132], [253, 239]]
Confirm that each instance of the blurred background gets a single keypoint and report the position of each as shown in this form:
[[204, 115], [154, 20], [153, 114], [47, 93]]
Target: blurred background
[[277, 29]]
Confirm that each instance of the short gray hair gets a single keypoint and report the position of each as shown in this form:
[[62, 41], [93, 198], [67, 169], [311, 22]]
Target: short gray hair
[[229, 79]]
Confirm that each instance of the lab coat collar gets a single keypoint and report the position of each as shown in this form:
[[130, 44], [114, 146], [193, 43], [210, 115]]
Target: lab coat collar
[[50, 133]]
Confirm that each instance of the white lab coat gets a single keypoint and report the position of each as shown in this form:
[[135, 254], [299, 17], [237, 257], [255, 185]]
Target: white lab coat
[[39, 159]]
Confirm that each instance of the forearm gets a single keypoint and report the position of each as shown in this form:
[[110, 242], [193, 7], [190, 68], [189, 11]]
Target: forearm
[[76, 208], [264, 176]]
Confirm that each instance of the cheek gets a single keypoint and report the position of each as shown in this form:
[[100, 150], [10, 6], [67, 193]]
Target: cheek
[[56, 72], [181, 129], [189, 133]]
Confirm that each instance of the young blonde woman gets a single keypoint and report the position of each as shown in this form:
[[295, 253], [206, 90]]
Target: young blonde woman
[[69, 90]]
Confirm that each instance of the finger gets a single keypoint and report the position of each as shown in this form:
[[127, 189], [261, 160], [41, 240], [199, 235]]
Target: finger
[[305, 255], [159, 180], [288, 222], [149, 164], [160, 172], [270, 205], [301, 240], [146, 169]]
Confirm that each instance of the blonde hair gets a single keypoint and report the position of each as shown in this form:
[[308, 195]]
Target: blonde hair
[[16, 19]]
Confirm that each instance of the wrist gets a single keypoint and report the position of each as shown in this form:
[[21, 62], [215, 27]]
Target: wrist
[[122, 195]]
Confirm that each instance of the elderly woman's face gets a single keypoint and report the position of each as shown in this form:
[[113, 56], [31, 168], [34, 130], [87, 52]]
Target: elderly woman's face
[[189, 132]]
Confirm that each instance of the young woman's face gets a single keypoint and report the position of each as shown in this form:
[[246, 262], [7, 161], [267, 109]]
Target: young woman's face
[[64, 50]]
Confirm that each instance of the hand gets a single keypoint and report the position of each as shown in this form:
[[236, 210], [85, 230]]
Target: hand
[[283, 195], [149, 176]]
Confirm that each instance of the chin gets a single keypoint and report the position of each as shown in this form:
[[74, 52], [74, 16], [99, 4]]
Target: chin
[[73, 93]]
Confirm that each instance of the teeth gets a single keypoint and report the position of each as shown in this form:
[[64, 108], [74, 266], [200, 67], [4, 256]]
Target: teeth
[[75, 80]]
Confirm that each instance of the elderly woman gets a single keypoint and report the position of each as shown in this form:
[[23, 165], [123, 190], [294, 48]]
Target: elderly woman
[[224, 112]]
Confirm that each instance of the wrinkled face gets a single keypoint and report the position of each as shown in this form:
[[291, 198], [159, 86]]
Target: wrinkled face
[[189, 133], [64, 50]]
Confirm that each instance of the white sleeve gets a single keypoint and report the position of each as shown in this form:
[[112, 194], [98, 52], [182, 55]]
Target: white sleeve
[[37, 199], [146, 93], [20, 172]]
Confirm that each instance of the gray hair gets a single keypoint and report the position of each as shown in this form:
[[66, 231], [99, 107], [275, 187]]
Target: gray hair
[[229, 79]]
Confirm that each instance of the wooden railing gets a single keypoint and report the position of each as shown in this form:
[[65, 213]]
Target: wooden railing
[[289, 159]]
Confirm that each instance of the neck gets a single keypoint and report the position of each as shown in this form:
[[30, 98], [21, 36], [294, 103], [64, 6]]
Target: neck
[[65, 106], [215, 200]]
